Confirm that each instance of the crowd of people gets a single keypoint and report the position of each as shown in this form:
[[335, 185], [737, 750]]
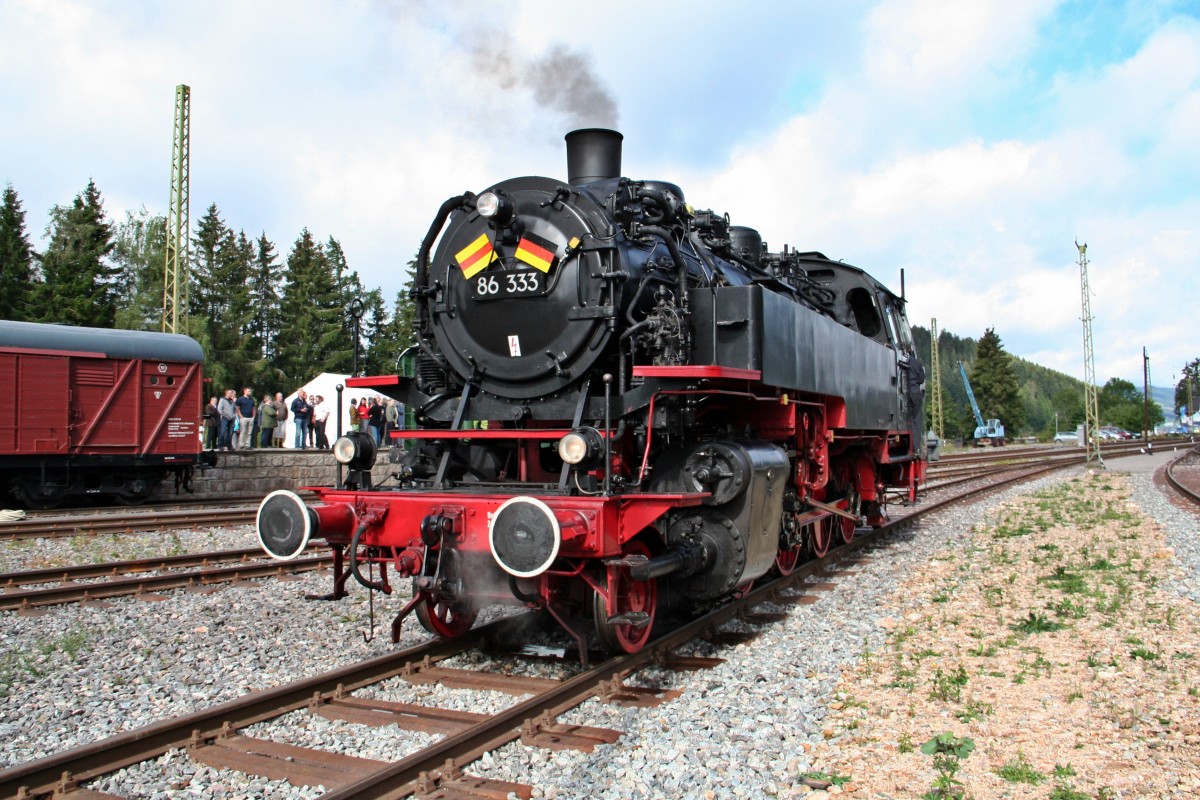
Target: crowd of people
[[235, 422]]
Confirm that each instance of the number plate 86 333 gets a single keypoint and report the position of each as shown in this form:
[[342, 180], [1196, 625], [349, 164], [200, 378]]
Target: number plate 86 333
[[497, 285]]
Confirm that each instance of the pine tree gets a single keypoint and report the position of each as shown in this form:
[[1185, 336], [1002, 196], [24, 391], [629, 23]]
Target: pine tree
[[350, 289], [994, 381], [266, 277], [79, 286], [17, 268], [206, 297], [374, 341], [311, 333]]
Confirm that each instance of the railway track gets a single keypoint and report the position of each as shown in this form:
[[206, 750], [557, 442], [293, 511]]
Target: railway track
[[1186, 488], [941, 477], [214, 736], [126, 522], [121, 578]]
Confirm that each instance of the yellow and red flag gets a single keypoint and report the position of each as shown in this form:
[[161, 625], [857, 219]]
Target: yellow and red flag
[[537, 252], [476, 256]]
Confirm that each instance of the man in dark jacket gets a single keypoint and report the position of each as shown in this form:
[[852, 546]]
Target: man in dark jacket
[[246, 410], [212, 424], [301, 413]]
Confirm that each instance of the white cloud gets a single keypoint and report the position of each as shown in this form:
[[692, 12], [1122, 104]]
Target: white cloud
[[863, 131]]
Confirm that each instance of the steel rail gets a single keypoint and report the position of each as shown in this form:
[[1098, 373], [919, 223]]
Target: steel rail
[[27, 577], [24, 599], [1175, 483], [125, 523]]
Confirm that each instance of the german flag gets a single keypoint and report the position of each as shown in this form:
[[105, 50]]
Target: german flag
[[537, 252], [475, 257]]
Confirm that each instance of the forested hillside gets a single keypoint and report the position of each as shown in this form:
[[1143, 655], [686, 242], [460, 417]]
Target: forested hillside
[[1049, 399]]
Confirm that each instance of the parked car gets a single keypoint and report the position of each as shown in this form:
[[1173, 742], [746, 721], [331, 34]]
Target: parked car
[[1114, 432], [1066, 437]]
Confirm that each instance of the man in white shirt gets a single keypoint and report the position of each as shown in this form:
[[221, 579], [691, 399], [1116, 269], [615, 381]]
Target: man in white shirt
[[320, 417]]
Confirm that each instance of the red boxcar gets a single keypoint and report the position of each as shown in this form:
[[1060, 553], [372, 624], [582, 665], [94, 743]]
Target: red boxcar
[[92, 411]]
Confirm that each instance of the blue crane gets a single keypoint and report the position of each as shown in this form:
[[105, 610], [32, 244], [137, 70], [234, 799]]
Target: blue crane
[[990, 432]]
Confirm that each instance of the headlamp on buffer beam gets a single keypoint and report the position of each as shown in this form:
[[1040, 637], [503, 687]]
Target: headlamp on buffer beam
[[581, 447], [495, 207], [356, 450]]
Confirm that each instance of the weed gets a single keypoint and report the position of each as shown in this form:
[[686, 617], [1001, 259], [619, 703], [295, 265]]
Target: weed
[[1041, 665], [1065, 791], [947, 686], [948, 751], [983, 651], [905, 745], [1066, 581], [1036, 623], [972, 711], [1019, 770], [1069, 609], [1144, 654], [834, 780]]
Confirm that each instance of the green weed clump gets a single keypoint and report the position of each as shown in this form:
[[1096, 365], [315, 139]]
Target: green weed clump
[[948, 751]]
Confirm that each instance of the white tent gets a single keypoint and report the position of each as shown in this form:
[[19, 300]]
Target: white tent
[[325, 385]]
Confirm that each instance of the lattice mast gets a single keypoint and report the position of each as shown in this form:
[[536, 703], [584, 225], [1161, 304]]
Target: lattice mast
[[936, 389], [175, 272], [1091, 394], [1145, 395]]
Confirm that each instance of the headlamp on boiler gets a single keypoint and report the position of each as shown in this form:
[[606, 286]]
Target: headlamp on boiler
[[495, 207]]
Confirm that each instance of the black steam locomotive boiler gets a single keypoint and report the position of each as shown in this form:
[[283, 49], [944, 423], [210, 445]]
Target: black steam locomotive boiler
[[620, 399]]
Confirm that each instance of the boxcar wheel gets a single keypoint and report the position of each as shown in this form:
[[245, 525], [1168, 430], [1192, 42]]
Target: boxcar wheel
[[633, 598], [444, 619], [32, 496]]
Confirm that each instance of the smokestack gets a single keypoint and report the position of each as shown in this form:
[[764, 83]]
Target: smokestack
[[593, 154]]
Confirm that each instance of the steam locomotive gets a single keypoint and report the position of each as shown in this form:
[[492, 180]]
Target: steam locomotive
[[623, 404]]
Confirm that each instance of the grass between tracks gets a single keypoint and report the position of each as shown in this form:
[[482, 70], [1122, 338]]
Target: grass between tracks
[[1048, 638]]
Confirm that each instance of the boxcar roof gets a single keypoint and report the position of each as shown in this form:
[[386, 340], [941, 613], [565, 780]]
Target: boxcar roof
[[111, 343]]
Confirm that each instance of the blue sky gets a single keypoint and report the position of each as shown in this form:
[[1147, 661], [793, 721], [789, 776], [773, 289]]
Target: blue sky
[[969, 144]]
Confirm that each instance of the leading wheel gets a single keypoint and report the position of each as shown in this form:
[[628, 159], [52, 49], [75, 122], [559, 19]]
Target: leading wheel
[[444, 619], [629, 628]]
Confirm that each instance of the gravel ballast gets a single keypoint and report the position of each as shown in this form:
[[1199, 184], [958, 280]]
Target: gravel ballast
[[743, 729]]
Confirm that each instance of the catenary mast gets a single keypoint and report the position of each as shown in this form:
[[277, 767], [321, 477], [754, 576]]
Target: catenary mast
[[936, 398], [175, 273], [1091, 399]]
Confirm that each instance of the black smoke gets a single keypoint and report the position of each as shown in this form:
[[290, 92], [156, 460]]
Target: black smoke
[[560, 80]]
